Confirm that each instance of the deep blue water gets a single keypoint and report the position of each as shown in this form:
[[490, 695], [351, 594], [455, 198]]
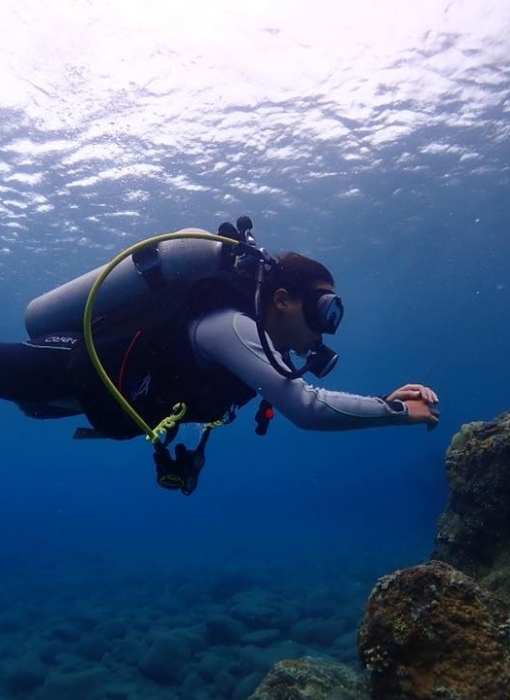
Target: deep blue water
[[381, 149]]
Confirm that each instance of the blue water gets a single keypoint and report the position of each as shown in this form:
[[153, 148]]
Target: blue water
[[376, 142]]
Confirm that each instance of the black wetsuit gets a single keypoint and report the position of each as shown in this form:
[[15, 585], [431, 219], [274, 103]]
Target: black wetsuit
[[35, 375]]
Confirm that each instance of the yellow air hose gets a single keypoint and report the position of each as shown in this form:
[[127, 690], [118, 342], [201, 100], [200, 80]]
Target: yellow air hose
[[154, 435]]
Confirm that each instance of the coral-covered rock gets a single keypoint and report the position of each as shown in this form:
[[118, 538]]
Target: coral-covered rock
[[430, 633], [473, 534], [311, 679]]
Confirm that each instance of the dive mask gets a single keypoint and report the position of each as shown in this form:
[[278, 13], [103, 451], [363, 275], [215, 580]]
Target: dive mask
[[323, 310]]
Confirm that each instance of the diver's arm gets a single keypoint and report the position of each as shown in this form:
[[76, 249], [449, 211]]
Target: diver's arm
[[230, 339]]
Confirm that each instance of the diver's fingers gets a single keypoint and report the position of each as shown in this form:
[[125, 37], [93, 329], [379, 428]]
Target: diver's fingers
[[434, 419], [425, 392]]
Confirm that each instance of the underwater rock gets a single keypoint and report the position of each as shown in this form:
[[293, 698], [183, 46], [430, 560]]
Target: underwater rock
[[111, 629], [93, 647], [473, 533], [164, 662], [89, 684], [223, 629], [247, 686], [262, 637], [258, 608], [23, 676], [309, 678], [430, 633]]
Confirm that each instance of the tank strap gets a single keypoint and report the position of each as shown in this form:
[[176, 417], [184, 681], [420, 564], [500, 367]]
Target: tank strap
[[148, 264]]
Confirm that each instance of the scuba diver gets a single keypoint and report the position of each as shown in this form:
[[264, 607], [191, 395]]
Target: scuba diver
[[189, 327]]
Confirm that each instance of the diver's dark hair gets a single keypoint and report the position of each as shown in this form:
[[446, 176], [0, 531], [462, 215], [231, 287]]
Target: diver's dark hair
[[296, 273]]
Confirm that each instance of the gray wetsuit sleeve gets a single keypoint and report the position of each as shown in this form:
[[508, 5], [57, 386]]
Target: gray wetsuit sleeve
[[229, 338]]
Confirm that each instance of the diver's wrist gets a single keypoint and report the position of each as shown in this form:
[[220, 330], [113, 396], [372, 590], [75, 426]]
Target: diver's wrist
[[397, 406]]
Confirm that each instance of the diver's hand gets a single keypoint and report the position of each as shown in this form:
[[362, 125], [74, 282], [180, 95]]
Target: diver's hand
[[420, 411], [408, 392], [420, 401]]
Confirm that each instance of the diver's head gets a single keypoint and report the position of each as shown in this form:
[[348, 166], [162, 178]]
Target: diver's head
[[298, 303]]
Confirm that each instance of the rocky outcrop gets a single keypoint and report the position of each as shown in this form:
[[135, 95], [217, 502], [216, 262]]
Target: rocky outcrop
[[473, 534], [439, 630], [430, 633], [310, 678]]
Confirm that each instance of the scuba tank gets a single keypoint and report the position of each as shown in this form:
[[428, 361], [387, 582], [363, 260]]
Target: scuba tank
[[133, 281]]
